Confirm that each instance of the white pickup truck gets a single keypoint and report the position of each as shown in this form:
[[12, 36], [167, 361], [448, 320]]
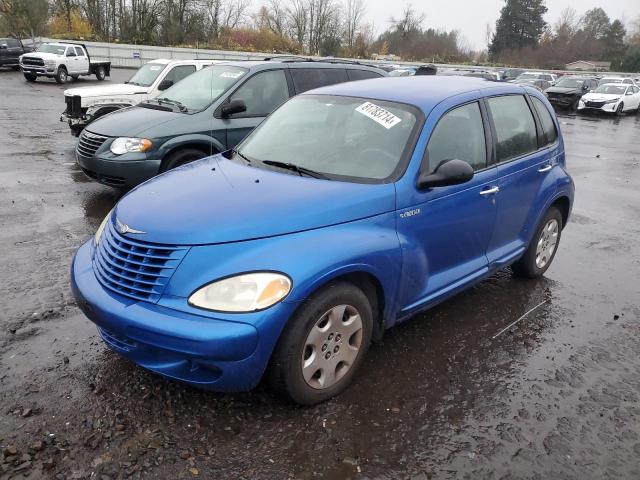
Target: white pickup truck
[[85, 104], [61, 61]]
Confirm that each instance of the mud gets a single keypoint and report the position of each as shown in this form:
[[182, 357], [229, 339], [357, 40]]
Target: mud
[[556, 396]]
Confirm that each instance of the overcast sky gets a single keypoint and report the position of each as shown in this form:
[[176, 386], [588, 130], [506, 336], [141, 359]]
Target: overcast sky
[[470, 17]]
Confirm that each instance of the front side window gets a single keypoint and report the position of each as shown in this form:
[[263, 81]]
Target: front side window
[[201, 89], [342, 138], [305, 79], [515, 127], [79, 52], [548, 125], [459, 135], [180, 72], [71, 52], [263, 93], [146, 74]]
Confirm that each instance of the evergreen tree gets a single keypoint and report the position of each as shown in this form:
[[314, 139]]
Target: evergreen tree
[[520, 25], [614, 41]]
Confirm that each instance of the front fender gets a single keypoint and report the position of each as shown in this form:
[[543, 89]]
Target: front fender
[[190, 139], [311, 259]]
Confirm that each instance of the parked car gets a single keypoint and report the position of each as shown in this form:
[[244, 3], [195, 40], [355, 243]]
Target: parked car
[[612, 98], [291, 252], [511, 73], [568, 91], [208, 112], [86, 104], [61, 61], [540, 85], [10, 51], [549, 77], [623, 80]]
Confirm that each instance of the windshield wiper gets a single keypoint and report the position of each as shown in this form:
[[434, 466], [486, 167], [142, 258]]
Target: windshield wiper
[[242, 156], [295, 168], [175, 103]]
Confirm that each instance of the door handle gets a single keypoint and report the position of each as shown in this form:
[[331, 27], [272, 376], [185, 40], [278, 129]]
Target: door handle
[[544, 169], [490, 191]]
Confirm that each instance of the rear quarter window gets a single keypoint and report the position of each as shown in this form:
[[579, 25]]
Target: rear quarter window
[[515, 127], [362, 75], [305, 79]]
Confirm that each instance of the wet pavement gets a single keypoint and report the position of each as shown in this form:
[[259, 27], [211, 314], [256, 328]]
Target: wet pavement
[[443, 396]]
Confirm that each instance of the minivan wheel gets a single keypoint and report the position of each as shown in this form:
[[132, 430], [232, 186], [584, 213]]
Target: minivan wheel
[[543, 246], [181, 157], [323, 345], [61, 75]]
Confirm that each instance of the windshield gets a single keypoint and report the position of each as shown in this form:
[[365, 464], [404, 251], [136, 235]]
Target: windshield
[[611, 89], [146, 75], [570, 83], [47, 48], [610, 80], [339, 137], [199, 90]]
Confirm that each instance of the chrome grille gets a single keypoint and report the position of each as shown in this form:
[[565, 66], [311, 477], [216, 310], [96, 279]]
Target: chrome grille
[[134, 268], [89, 143], [38, 62]]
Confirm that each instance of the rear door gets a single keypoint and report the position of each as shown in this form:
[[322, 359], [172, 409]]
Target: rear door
[[524, 159], [305, 79], [262, 93]]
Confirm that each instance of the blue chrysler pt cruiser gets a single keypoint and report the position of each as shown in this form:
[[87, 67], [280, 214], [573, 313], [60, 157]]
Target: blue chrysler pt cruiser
[[351, 208]]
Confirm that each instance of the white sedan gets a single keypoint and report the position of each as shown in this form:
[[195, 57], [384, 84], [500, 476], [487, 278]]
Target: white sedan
[[612, 98]]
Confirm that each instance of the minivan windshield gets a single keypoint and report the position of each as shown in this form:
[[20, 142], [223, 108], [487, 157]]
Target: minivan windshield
[[342, 138], [47, 48], [199, 90], [568, 82], [611, 89], [146, 75]]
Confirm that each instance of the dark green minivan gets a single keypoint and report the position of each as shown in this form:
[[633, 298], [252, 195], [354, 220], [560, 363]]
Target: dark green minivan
[[208, 112]]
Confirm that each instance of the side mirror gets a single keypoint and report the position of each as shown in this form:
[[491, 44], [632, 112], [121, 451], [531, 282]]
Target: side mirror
[[449, 172], [164, 84], [233, 107]]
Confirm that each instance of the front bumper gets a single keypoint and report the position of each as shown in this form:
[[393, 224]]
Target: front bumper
[[206, 352], [36, 70], [563, 102], [124, 174], [607, 107]]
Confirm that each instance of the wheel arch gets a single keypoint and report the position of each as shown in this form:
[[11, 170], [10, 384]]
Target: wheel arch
[[207, 145], [563, 204]]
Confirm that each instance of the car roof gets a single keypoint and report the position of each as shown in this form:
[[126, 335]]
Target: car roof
[[424, 91], [266, 64], [166, 61]]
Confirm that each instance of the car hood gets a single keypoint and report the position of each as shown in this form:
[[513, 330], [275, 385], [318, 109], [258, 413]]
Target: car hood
[[43, 55], [118, 89], [131, 122], [565, 90], [215, 200], [595, 97]]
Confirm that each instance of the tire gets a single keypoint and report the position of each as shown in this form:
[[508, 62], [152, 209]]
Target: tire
[[574, 106], [101, 73], [620, 109], [16, 68], [181, 157], [75, 77], [29, 77], [61, 75], [535, 261], [299, 366]]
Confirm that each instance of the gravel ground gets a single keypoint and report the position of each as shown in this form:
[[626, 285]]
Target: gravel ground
[[556, 396]]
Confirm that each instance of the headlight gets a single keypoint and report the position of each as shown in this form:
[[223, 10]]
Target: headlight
[[128, 145], [243, 293], [101, 228], [50, 63]]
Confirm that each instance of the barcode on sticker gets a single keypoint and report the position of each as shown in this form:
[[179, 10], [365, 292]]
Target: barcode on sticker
[[379, 115]]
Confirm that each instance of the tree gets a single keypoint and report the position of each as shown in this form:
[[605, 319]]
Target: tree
[[596, 23], [614, 46], [354, 13], [520, 25], [298, 19], [25, 17], [410, 21]]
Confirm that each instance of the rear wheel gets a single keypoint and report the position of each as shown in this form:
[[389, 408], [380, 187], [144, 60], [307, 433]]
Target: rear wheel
[[181, 157], [101, 73], [75, 77], [543, 246], [323, 345], [61, 75], [29, 77]]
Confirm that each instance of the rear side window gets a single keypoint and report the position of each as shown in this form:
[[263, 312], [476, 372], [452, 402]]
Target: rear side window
[[548, 124], [263, 93], [515, 127], [309, 78], [459, 135], [180, 72], [362, 75]]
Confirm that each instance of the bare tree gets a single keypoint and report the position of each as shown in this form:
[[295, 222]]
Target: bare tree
[[410, 21], [273, 16], [567, 24], [354, 11], [298, 20]]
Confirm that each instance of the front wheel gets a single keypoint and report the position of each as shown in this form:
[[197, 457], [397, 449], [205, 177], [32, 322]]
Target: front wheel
[[61, 75], [574, 106], [181, 157], [620, 109], [323, 345], [543, 246], [29, 77], [101, 73]]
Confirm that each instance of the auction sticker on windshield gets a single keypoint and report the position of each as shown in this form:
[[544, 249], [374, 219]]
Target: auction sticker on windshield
[[379, 115]]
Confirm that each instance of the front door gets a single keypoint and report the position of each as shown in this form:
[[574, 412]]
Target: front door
[[445, 234], [262, 93], [82, 61]]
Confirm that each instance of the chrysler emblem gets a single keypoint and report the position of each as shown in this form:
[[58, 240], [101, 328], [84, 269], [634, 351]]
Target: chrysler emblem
[[123, 228]]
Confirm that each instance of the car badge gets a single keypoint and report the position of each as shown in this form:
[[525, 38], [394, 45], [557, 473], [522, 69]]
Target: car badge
[[123, 228]]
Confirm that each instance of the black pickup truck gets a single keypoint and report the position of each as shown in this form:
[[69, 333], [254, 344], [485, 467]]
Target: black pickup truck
[[10, 50]]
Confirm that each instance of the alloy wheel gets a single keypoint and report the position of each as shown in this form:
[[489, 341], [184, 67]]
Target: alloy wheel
[[547, 243]]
